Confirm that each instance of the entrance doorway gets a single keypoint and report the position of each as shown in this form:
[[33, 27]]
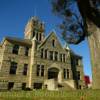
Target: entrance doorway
[[53, 73]]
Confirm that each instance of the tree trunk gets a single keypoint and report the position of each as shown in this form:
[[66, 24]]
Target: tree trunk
[[94, 45]]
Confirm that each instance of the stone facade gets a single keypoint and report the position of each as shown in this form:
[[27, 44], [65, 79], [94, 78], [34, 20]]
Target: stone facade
[[39, 62]]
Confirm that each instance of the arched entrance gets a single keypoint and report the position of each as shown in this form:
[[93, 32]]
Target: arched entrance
[[53, 73]]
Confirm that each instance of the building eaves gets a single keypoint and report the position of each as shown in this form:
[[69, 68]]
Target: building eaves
[[20, 41]]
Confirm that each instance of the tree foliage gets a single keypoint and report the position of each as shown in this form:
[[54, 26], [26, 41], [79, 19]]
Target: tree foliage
[[75, 14]]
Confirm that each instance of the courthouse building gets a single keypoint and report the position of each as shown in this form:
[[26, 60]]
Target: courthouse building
[[38, 61]]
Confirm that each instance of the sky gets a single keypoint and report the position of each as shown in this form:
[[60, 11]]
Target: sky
[[14, 15]]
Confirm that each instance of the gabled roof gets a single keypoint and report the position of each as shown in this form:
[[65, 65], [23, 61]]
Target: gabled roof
[[51, 33], [20, 41]]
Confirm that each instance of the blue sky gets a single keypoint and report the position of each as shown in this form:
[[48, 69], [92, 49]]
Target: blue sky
[[14, 15]]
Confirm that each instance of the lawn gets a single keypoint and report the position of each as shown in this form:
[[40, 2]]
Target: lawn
[[51, 95]]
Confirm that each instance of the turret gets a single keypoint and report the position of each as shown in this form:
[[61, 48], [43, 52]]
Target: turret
[[34, 28]]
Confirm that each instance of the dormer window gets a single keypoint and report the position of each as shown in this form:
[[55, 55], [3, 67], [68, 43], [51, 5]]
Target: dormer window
[[53, 43]]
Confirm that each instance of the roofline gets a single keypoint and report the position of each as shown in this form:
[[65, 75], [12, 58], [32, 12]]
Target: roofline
[[50, 33], [8, 39]]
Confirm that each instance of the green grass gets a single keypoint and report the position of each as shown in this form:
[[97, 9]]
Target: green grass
[[51, 95]]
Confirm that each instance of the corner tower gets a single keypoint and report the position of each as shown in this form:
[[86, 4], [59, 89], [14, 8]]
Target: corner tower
[[34, 28]]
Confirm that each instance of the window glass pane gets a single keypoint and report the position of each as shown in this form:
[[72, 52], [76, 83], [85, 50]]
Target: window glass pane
[[37, 36], [40, 37], [13, 68], [56, 56], [38, 70], [64, 73], [42, 70], [45, 54], [67, 73], [51, 55], [41, 53], [78, 75], [61, 57], [25, 69], [53, 43], [64, 57], [15, 49], [26, 51]]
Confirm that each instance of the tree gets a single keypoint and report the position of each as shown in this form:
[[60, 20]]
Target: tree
[[80, 19]]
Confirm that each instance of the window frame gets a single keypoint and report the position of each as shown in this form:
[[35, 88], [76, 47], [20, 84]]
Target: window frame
[[51, 55], [13, 68], [53, 43], [25, 69], [15, 49], [26, 51]]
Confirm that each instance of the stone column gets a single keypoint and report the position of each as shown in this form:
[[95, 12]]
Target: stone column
[[60, 76], [53, 55], [32, 62], [70, 74]]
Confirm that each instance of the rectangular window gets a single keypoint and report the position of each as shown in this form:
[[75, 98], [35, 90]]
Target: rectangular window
[[37, 36], [13, 68], [45, 54], [53, 43], [15, 49], [56, 56], [42, 70], [78, 75], [42, 53], [76, 61], [23, 86], [25, 69], [26, 51], [64, 73], [38, 70], [51, 55], [40, 37], [61, 57], [67, 73], [33, 33]]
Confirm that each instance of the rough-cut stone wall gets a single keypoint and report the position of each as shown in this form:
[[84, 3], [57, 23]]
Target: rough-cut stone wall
[[20, 59], [33, 59], [77, 66], [81, 82], [50, 63]]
